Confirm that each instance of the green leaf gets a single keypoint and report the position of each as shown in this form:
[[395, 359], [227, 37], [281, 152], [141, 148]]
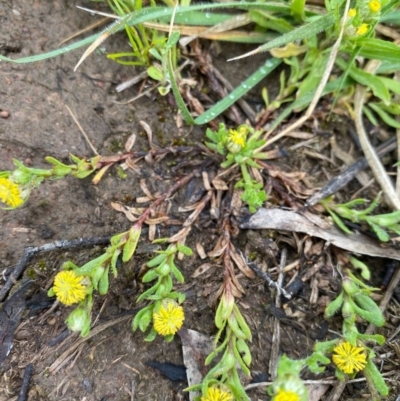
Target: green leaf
[[365, 78], [104, 282], [151, 336], [385, 116], [86, 269], [149, 276], [380, 232], [175, 89], [375, 379], [184, 249], [334, 306], [177, 273], [157, 260], [131, 244], [319, 24], [172, 40], [238, 92], [377, 49], [155, 73], [338, 221], [297, 9]]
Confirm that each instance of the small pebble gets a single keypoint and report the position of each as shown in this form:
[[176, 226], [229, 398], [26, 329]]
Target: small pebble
[[4, 114]]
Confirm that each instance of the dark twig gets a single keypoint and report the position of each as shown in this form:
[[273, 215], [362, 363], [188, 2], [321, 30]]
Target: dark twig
[[31, 251], [23, 392], [266, 277], [344, 178]]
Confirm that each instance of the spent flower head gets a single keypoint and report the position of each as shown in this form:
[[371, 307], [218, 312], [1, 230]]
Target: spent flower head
[[349, 358], [169, 318], [217, 393], [10, 193], [69, 288]]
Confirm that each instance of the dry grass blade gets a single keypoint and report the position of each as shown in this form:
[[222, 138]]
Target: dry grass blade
[[373, 160], [92, 48], [58, 363]]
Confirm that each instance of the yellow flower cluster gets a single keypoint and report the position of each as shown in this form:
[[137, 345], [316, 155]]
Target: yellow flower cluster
[[217, 394], [68, 287], [348, 358], [10, 193], [352, 13], [237, 137], [362, 29], [169, 319], [286, 395], [374, 6]]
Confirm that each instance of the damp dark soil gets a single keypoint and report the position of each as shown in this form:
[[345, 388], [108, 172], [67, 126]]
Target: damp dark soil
[[35, 123]]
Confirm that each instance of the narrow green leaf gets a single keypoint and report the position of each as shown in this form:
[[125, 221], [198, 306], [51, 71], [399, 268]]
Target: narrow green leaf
[[369, 80], [239, 91], [385, 116], [319, 24]]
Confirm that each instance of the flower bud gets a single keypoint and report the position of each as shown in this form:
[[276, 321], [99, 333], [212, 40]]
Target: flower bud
[[79, 320]]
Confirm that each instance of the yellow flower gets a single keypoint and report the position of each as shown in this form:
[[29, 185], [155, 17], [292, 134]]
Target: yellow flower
[[238, 137], [362, 29], [348, 358], [169, 319], [374, 6], [285, 395], [352, 13], [10, 193], [68, 287], [217, 394]]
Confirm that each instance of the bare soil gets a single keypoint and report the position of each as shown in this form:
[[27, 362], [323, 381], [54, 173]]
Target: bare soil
[[111, 365]]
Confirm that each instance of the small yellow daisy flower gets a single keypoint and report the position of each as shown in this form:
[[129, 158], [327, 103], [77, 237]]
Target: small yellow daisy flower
[[169, 319], [238, 137], [352, 13], [285, 395], [362, 29], [348, 358], [68, 287], [217, 394], [10, 193], [374, 6]]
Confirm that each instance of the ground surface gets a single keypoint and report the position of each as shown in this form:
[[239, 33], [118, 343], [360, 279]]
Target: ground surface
[[111, 364]]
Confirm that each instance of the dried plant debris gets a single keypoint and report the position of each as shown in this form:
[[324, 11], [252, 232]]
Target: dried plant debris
[[287, 220]]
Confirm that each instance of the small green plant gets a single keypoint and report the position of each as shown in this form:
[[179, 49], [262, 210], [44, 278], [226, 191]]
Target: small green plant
[[231, 341], [164, 308], [239, 147], [16, 185], [349, 353], [381, 224]]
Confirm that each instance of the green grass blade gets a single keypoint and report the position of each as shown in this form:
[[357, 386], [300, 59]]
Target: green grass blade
[[53, 53], [238, 92], [302, 32], [148, 14]]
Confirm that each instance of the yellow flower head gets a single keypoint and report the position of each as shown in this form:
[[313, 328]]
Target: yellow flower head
[[286, 395], [348, 358], [362, 29], [374, 6], [68, 287], [10, 193], [169, 319], [237, 137], [352, 13], [215, 393]]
